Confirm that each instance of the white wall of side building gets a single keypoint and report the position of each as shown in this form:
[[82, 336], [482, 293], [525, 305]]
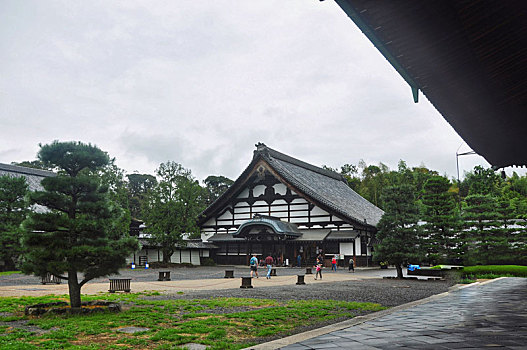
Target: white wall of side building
[[189, 256]]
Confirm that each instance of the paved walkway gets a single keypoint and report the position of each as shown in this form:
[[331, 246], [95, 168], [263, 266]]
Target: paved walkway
[[492, 314]]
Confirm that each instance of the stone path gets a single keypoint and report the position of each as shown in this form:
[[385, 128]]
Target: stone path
[[492, 314]]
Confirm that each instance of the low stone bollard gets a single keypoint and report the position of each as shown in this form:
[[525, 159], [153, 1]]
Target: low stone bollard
[[308, 271], [246, 282], [273, 272], [229, 274], [164, 276], [300, 279]]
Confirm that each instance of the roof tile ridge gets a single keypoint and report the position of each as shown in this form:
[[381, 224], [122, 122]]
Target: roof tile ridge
[[313, 193], [286, 158], [25, 170]]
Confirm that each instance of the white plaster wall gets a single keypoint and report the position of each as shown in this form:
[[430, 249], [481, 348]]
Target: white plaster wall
[[258, 190], [226, 215], [185, 256], [280, 188], [346, 248], [318, 211], [244, 194], [357, 247]]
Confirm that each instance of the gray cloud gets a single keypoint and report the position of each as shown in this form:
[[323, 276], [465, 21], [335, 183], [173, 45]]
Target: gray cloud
[[200, 82]]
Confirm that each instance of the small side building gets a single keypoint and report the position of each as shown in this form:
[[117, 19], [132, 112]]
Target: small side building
[[285, 207], [191, 251]]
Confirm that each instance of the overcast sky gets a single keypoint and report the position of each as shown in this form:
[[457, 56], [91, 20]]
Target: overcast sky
[[200, 82]]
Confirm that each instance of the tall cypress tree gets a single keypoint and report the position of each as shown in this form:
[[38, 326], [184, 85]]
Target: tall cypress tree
[[441, 220], [73, 238], [399, 236]]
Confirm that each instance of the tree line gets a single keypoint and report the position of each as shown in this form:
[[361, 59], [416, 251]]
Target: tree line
[[432, 219], [83, 231]]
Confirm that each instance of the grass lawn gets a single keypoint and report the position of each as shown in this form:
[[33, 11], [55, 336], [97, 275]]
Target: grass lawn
[[6, 273], [495, 271], [221, 323]]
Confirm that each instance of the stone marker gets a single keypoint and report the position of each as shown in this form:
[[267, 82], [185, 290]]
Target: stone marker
[[300, 279]]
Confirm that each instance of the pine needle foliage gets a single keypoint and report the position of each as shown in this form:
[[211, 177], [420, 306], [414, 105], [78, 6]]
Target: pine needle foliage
[[75, 238]]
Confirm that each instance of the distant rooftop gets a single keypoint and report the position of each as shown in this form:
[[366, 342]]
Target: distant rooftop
[[33, 176]]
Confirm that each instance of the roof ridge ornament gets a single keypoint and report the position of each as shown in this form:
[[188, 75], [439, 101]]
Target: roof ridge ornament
[[262, 149]]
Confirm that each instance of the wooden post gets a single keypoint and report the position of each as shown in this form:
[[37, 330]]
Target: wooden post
[[300, 279], [246, 282]]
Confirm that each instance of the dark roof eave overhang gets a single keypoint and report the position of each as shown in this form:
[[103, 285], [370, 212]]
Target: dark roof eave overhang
[[466, 58]]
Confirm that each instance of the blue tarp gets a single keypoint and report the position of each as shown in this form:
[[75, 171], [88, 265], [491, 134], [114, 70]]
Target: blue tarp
[[413, 267]]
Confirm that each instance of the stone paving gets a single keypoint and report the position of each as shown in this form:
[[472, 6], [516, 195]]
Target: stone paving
[[487, 315]]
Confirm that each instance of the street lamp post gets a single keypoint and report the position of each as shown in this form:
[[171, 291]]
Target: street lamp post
[[457, 168]]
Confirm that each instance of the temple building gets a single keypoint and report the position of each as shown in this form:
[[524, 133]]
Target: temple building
[[285, 207]]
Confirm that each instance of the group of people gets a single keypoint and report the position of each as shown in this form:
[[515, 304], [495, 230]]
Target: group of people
[[320, 263], [269, 261]]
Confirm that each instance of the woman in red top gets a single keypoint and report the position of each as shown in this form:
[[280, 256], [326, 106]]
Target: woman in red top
[[334, 263]]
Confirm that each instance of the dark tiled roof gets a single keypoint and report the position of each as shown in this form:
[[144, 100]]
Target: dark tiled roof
[[33, 176], [324, 186], [278, 226], [327, 188], [225, 237], [191, 244]]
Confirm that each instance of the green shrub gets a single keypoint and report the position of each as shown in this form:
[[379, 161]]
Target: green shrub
[[207, 262], [496, 270]]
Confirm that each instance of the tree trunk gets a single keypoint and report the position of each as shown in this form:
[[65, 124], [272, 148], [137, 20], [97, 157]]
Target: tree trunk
[[74, 290], [399, 270], [167, 255], [9, 264]]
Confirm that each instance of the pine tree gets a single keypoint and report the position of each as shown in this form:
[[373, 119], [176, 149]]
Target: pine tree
[[441, 220], [481, 233], [399, 236], [75, 235], [13, 210]]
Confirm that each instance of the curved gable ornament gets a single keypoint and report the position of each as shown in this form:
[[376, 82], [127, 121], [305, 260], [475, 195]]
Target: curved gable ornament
[[262, 227]]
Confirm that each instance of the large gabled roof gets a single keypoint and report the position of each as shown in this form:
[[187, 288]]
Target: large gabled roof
[[325, 188], [469, 58]]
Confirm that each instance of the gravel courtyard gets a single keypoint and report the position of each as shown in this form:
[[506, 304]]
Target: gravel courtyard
[[381, 291], [367, 287]]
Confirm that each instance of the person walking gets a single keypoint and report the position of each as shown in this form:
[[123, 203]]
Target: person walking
[[318, 267], [334, 263], [299, 260], [351, 265], [254, 265], [269, 262]]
